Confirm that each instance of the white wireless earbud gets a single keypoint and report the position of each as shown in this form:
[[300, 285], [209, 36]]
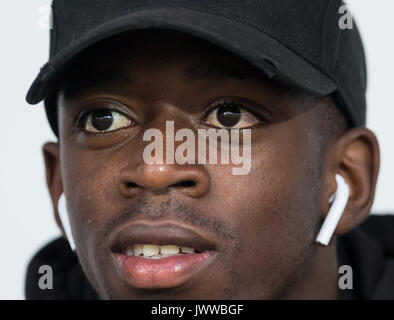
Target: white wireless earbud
[[338, 205], [63, 214]]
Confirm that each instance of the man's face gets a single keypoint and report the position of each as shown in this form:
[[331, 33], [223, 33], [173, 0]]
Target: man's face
[[253, 234]]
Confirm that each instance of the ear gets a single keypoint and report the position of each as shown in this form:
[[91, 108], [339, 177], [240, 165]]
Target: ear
[[356, 158], [51, 153]]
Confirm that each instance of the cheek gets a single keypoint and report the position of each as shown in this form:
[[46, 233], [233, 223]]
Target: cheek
[[274, 210], [280, 189], [88, 180]]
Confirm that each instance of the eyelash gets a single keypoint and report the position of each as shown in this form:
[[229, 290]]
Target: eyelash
[[233, 102], [80, 119]]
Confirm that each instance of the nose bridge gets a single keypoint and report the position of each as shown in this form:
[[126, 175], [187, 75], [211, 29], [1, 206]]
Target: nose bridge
[[140, 175]]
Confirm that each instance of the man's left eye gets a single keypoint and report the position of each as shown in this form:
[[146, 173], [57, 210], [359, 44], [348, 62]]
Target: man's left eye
[[105, 120], [231, 115]]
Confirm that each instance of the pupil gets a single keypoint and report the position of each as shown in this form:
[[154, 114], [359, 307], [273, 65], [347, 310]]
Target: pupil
[[229, 115], [102, 119]]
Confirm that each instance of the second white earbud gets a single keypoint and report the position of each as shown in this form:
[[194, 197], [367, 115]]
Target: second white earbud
[[63, 214], [338, 205]]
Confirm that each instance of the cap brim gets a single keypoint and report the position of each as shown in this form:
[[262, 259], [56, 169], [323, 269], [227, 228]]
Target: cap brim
[[255, 46]]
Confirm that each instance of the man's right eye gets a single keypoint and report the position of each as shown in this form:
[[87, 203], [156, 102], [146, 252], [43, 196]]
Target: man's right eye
[[104, 120]]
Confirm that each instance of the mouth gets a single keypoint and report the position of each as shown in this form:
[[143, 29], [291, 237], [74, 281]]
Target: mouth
[[160, 256]]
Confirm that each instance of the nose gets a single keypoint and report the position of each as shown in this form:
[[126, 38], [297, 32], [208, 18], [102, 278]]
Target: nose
[[191, 180]]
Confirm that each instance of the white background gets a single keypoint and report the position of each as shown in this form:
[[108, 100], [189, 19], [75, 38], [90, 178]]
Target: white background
[[26, 220]]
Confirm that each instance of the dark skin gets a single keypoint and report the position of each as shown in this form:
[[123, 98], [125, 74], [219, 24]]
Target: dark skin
[[263, 224]]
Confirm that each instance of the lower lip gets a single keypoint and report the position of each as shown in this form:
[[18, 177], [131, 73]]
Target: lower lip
[[166, 272]]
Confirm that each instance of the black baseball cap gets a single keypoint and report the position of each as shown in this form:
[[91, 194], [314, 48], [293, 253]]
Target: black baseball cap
[[297, 42]]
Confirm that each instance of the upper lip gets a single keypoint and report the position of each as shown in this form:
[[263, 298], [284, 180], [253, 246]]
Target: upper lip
[[159, 234]]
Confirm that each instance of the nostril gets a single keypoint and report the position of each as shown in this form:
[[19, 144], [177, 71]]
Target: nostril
[[185, 183], [131, 185], [191, 181]]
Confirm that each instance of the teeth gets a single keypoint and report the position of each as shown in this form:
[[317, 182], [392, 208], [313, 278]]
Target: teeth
[[187, 250], [150, 250], [171, 249], [157, 252], [138, 249], [156, 256], [130, 252]]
